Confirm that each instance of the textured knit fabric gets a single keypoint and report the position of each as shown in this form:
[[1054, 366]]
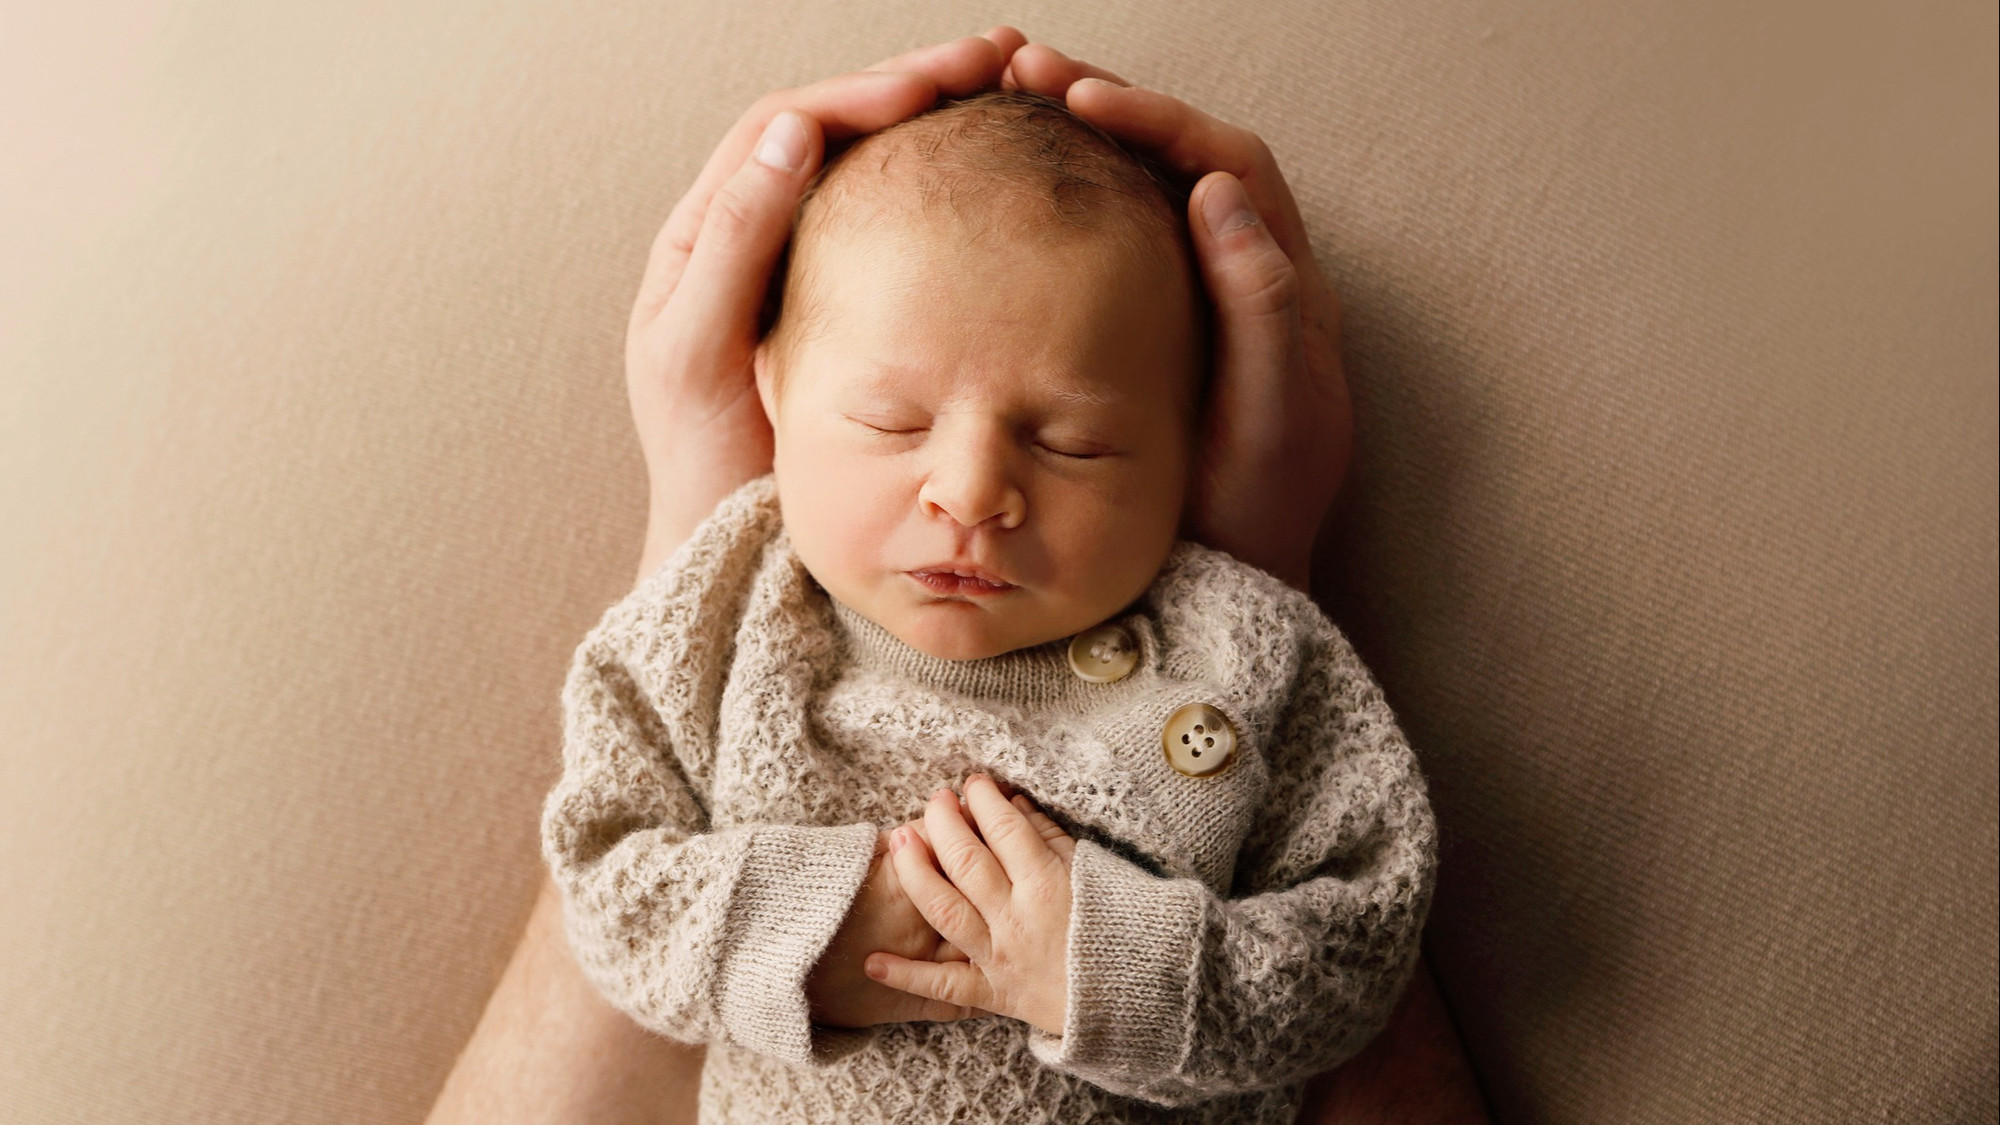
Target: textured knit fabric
[[734, 740]]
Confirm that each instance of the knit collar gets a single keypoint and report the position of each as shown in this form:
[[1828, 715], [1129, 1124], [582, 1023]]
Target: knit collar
[[1038, 676]]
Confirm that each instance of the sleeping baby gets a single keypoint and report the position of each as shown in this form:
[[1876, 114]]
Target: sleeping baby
[[1192, 855]]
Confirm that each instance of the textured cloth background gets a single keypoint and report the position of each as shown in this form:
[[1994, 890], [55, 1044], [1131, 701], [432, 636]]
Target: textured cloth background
[[1672, 328]]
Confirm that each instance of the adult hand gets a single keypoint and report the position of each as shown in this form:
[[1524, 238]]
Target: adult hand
[[693, 326], [1277, 429]]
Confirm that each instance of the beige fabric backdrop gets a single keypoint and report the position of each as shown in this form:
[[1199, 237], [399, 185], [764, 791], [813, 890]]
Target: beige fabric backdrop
[[1672, 328]]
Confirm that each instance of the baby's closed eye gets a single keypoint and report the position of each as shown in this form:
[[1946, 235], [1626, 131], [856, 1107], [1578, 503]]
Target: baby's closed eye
[[1060, 443], [890, 425], [1072, 445]]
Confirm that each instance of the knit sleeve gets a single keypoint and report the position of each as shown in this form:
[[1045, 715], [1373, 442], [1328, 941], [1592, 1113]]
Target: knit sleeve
[[1176, 994], [698, 934]]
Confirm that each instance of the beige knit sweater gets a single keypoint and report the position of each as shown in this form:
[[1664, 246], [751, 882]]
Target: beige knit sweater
[[734, 740]]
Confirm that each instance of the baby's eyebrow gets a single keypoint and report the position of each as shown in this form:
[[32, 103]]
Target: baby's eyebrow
[[1081, 396], [888, 379]]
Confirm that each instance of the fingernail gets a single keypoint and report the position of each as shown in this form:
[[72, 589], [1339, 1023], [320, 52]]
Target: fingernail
[[783, 145], [896, 840], [876, 969], [1226, 207]]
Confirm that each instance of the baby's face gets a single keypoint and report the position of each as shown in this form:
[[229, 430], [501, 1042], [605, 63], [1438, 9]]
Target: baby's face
[[986, 445]]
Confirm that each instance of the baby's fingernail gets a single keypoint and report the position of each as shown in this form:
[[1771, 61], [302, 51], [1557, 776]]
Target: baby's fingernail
[[896, 840], [877, 970], [783, 145], [1226, 207]]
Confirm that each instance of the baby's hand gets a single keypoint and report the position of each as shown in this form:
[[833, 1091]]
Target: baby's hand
[[1005, 903], [882, 917]]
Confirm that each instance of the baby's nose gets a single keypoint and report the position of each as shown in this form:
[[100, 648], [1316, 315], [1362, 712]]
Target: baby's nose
[[974, 488]]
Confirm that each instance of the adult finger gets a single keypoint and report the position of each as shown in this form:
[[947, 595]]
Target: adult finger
[[1007, 831], [966, 859], [1059, 842], [1195, 144], [958, 984], [1008, 39], [842, 106], [962, 66], [1041, 69], [939, 901], [745, 227], [1256, 289]]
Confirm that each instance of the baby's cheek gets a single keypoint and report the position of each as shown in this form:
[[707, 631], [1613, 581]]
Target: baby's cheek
[[1118, 538], [835, 510]]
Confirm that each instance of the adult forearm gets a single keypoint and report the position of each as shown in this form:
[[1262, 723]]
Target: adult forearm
[[665, 531], [549, 1049], [1414, 1073]]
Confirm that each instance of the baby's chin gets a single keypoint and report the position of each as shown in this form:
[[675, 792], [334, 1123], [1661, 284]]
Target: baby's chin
[[951, 630]]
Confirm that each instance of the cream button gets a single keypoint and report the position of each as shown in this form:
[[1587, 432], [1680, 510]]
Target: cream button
[[1199, 740], [1103, 654]]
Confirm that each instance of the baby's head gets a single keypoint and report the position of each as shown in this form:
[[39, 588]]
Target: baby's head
[[986, 364]]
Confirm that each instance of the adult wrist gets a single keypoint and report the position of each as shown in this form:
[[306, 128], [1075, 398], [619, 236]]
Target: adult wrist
[[678, 500]]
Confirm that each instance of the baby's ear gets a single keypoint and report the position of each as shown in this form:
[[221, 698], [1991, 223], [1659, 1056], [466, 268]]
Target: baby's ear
[[763, 362]]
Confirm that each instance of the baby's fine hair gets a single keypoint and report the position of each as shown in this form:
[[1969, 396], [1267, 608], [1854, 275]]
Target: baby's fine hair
[[1006, 154]]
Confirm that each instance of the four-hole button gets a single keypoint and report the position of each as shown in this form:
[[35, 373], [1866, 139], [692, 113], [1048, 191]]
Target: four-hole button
[[1199, 740], [1103, 654]]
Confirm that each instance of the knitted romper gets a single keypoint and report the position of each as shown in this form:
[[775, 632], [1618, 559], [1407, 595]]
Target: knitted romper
[[734, 741]]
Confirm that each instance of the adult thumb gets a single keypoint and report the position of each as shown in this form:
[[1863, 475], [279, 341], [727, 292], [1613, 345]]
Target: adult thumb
[[742, 231], [1255, 288]]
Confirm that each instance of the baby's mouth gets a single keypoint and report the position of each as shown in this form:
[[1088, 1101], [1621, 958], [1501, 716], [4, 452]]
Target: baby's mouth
[[959, 582]]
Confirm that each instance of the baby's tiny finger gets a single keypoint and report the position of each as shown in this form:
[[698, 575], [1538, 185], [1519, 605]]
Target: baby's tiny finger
[[1051, 833], [1048, 829], [915, 1007], [957, 983]]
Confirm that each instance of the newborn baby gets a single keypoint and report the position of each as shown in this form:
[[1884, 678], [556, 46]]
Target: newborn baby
[[984, 378]]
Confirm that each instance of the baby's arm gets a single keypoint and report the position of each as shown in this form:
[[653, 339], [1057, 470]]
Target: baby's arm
[[698, 935], [1176, 995]]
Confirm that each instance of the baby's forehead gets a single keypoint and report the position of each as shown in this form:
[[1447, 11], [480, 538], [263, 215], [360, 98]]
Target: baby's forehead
[[1062, 388]]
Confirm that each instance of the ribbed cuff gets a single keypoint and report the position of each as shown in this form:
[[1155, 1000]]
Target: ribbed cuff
[[792, 893], [1134, 949]]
